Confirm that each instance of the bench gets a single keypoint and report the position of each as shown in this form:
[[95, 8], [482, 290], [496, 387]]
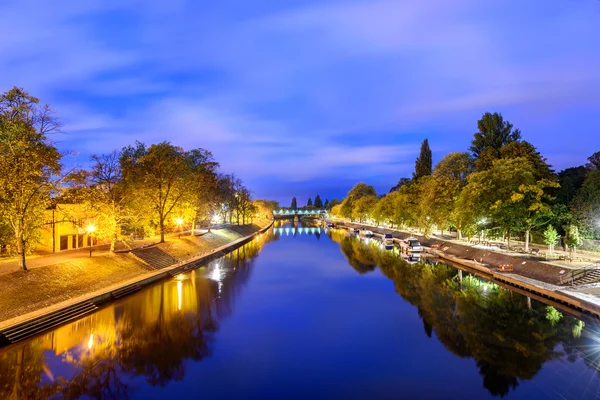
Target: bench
[[506, 268]]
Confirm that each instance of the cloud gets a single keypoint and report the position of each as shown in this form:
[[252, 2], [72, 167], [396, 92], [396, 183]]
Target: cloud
[[290, 93]]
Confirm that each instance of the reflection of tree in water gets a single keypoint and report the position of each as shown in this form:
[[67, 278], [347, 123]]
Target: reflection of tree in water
[[25, 365], [477, 319], [357, 252], [150, 334]]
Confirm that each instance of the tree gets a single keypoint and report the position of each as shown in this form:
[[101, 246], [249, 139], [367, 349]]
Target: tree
[[525, 149], [159, 173], [104, 195], [333, 203], [550, 238], [401, 182], [594, 161], [203, 181], [586, 205], [359, 190], [570, 180], [309, 203], [437, 197], [455, 165], [423, 164], [326, 204], [493, 133], [510, 194], [318, 202], [572, 237], [28, 164], [294, 205], [363, 207]]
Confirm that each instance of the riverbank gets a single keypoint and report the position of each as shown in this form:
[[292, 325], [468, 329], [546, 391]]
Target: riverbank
[[539, 278], [28, 294]]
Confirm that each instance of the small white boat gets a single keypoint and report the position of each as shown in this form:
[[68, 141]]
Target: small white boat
[[413, 245], [365, 232], [388, 240]]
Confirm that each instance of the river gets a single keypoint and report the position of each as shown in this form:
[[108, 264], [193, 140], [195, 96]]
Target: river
[[304, 312]]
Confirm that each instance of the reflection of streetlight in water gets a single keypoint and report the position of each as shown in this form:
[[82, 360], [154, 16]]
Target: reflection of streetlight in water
[[91, 341], [179, 294]]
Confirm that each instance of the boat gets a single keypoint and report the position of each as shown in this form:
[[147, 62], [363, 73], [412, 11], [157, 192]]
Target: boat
[[365, 232], [330, 225], [354, 230], [412, 258], [388, 239], [413, 245]]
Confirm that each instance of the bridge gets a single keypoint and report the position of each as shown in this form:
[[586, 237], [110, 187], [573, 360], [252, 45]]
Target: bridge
[[300, 212]]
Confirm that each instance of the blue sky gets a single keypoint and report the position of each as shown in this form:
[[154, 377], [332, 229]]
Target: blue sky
[[305, 97]]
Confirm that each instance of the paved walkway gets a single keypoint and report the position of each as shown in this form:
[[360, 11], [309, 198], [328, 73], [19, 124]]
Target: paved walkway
[[9, 265]]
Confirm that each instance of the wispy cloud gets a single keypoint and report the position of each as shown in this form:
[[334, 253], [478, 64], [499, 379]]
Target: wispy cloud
[[290, 93]]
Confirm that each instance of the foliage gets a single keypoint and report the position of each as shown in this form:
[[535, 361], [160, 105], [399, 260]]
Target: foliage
[[423, 164], [493, 133], [318, 202], [572, 237], [586, 205], [309, 203], [294, 205], [455, 165], [551, 237], [553, 315], [401, 182], [359, 190], [28, 165]]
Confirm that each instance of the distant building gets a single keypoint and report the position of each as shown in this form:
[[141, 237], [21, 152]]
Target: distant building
[[65, 228]]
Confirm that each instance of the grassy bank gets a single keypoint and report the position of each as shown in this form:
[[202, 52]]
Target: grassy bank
[[22, 292]]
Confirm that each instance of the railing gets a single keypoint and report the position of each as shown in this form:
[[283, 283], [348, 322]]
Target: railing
[[576, 274]]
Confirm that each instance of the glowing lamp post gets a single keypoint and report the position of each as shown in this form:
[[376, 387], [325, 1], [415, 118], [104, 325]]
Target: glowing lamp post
[[90, 230], [179, 222]]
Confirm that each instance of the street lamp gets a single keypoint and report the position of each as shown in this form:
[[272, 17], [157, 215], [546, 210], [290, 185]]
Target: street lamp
[[90, 230], [179, 222]]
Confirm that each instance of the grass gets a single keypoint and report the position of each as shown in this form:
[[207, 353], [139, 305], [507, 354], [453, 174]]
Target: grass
[[26, 291]]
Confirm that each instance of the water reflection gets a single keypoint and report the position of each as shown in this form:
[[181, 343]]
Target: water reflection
[[509, 340], [149, 335]]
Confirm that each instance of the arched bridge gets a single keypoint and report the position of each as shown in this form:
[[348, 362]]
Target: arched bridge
[[300, 213]]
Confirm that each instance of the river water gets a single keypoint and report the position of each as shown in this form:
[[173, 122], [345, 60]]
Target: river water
[[304, 312]]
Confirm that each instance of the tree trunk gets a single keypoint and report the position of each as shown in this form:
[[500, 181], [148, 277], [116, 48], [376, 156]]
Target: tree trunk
[[459, 234], [508, 240], [21, 250], [162, 230], [527, 240], [17, 392], [112, 245]]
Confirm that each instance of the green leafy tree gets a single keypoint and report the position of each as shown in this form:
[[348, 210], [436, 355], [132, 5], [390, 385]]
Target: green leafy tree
[[455, 165], [586, 205], [359, 190], [333, 203], [493, 133], [28, 166], [326, 204], [294, 205], [437, 198], [572, 237], [160, 173], [363, 207], [401, 182], [104, 195], [571, 180], [424, 163], [309, 203], [318, 202], [526, 150], [510, 193], [551, 237]]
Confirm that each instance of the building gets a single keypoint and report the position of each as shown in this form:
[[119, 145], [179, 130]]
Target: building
[[65, 228]]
